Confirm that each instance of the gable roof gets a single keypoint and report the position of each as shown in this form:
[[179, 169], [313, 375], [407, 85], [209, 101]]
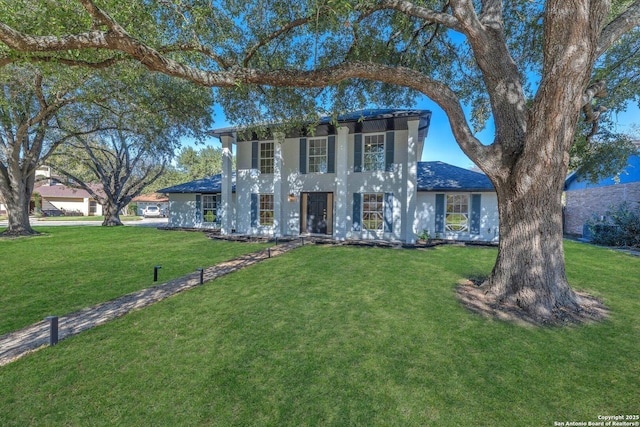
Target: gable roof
[[62, 191], [439, 176], [432, 176]]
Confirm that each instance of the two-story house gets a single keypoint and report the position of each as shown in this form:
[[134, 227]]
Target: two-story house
[[358, 179]]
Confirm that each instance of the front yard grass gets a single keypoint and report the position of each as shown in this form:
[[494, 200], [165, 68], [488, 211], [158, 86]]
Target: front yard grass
[[341, 336], [70, 268]]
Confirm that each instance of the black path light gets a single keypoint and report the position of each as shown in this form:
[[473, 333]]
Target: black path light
[[155, 272], [201, 270], [53, 329]]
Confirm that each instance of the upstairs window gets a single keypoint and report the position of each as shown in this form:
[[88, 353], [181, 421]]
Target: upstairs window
[[373, 153], [318, 155], [266, 157]]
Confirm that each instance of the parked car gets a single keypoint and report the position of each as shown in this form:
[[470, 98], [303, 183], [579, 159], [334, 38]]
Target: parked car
[[152, 212]]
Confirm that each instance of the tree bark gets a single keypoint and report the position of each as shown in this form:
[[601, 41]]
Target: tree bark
[[111, 215], [17, 194]]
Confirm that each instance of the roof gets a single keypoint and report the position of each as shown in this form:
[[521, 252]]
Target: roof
[[630, 174], [211, 184], [432, 176], [62, 191], [439, 176]]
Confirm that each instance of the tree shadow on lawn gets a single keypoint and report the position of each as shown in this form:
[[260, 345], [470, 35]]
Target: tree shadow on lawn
[[476, 300]]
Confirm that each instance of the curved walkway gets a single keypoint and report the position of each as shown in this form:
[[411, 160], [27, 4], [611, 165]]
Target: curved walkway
[[31, 338]]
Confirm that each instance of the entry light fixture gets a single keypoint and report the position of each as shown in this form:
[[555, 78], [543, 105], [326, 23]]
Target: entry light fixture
[[292, 197]]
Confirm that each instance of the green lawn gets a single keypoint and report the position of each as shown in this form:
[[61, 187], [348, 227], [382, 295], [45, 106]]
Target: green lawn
[[70, 268], [96, 218], [341, 336]]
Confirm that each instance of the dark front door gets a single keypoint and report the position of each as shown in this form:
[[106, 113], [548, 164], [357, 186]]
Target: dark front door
[[317, 213]]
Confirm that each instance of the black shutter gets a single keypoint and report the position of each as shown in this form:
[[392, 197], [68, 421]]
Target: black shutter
[[331, 154], [439, 213], [357, 216], [357, 152], [254, 210], [303, 155], [254, 155], [389, 147], [476, 207], [388, 212]]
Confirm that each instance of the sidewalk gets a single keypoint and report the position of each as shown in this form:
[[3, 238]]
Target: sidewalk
[[14, 345]]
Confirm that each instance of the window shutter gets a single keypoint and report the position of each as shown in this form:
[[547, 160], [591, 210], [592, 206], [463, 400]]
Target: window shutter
[[357, 152], [254, 155], [439, 213], [303, 155], [198, 209], [331, 154], [388, 212], [357, 204], [476, 208], [254, 210], [389, 147]]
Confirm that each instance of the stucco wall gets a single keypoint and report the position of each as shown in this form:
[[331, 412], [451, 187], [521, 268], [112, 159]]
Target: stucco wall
[[583, 204]]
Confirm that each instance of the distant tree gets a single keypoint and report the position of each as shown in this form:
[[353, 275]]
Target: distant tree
[[32, 99], [199, 163], [147, 115]]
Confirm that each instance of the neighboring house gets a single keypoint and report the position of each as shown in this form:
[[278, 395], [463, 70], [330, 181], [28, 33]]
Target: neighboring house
[[58, 199], [359, 179], [584, 200], [155, 199]]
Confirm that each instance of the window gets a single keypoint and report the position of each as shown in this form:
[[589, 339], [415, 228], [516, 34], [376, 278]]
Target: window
[[372, 211], [457, 214], [266, 157], [373, 153], [210, 208], [318, 155], [266, 209]]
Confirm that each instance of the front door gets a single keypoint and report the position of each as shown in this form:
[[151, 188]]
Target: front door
[[317, 213]]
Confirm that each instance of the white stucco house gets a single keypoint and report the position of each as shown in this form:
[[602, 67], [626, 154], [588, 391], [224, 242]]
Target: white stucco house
[[358, 179]]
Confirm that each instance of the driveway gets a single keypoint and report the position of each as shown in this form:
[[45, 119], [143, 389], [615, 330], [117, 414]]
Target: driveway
[[145, 222]]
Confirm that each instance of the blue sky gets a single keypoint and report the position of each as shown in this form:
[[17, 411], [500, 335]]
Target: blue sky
[[440, 144]]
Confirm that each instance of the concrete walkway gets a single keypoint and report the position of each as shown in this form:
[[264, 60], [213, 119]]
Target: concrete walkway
[[21, 342]]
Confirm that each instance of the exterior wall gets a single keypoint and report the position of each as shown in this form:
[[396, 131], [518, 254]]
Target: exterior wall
[[74, 204], [182, 212], [583, 204], [425, 218], [287, 180]]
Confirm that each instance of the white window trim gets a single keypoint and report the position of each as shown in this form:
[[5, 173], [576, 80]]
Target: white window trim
[[364, 151], [381, 213], [326, 155], [467, 214], [272, 158], [216, 201], [272, 210]]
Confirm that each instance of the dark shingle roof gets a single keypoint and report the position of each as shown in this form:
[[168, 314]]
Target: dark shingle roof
[[432, 176], [439, 176], [211, 184]]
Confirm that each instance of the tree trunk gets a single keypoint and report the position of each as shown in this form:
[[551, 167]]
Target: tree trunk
[[17, 195], [111, 215], [530, 268]]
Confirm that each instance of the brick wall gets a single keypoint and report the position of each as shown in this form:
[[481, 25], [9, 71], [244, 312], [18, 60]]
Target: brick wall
[[581, 205]]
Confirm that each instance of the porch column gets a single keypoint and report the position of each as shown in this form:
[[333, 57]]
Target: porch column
[[277, 184], [341, 199], [225, 211], [411, 185]]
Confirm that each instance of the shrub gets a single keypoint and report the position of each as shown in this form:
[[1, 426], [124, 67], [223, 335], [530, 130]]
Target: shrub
[[620, 226]]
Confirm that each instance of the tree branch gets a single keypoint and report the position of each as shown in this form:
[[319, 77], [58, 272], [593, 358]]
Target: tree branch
[[623, 23]]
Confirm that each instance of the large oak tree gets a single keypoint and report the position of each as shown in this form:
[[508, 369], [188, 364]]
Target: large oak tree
[[456, 52]]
